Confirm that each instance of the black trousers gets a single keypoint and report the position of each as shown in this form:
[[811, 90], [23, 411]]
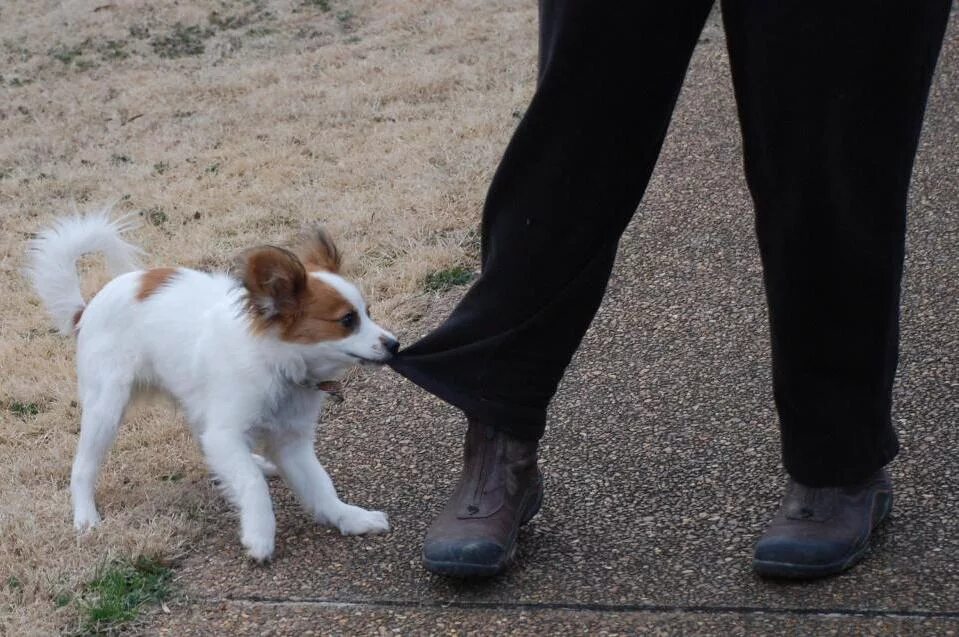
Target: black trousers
[[831, 98]]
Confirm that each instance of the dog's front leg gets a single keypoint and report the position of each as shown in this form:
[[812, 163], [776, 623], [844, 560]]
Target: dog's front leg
[[228, 454], [302, 471]]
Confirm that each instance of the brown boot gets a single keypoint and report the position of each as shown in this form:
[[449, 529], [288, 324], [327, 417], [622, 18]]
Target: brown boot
[[820, 532], [499, 490]]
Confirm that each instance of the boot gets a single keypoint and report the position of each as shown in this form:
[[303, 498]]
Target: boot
[[820, 532], [499, 490]]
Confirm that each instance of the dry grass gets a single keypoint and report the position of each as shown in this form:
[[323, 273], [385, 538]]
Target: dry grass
[[225, 124]]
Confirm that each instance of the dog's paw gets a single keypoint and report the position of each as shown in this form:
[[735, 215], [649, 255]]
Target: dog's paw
[[259, 548], [357, 521], [84, 521]]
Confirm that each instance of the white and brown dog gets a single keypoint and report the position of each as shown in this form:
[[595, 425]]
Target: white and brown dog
[[245, 354]]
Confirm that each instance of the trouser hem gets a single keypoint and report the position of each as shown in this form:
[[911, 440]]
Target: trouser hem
[[841, 476], [518, 421]]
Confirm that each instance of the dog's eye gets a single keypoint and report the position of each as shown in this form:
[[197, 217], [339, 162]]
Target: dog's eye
[[349, 320]]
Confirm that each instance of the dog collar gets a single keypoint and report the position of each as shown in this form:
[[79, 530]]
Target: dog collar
[[328, 386]]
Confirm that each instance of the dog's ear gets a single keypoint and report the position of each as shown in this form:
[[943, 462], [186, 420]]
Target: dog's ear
[[275, 279], [318, 252]]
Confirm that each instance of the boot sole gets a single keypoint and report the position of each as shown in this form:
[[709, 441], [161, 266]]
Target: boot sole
[[788, 570], [467, 570]]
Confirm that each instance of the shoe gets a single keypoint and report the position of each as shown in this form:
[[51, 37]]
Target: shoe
[[499, 490], [820, 532]]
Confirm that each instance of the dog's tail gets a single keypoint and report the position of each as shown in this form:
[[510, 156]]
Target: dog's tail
[[52, 260]]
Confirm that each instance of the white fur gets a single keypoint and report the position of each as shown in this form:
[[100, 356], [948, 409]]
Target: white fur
[[192, 338], [52, 258]]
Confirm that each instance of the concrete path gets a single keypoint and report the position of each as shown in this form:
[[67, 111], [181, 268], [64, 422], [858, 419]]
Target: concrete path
[[661, 457]]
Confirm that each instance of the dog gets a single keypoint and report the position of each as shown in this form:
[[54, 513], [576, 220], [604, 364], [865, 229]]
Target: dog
[[249, 355]]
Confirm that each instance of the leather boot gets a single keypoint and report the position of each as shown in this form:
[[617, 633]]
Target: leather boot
[[499, 490], [820, 532]]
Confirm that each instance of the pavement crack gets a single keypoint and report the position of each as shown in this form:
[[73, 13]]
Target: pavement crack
[[413, 604]]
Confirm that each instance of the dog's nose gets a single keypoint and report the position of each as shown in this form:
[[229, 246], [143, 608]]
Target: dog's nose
[[391, 344]]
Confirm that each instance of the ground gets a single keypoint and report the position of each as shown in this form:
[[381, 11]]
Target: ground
[[226, 124]]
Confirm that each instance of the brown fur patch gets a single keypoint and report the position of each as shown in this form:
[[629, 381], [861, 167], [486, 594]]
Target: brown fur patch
[[76, 318], [275, 280], [301, 308], [321, 308], [318, 252], [153, 280]]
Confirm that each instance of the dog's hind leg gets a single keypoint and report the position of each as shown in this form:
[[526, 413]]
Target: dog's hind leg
[[103, 407], [302, 471]]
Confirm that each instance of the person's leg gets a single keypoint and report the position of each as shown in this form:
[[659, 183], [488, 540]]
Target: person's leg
[[831, 99], [568, 183], [570, 180]]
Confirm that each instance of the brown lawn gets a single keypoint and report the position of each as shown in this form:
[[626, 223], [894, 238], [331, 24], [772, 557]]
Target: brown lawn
[[223, 124]]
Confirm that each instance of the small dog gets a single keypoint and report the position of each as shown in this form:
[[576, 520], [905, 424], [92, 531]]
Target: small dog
[[249, 356]]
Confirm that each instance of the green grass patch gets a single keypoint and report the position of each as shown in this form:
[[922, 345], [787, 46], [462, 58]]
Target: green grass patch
[[345, 18], [113, 50], [119, 592], [322, 5], [227, 22], [66, 54], [139, 32], [447, 279], [182, 41], [260, 32], [256, 12], [62, 598], [75, 55], [23, 410], [156, 216]]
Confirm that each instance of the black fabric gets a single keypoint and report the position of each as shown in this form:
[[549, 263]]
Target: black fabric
[[831, 99]]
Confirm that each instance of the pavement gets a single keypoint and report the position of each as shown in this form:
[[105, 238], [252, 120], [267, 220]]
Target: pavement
[[662, 453]]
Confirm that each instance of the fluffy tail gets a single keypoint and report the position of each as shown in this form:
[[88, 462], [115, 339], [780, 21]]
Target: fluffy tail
[[52, 260]]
